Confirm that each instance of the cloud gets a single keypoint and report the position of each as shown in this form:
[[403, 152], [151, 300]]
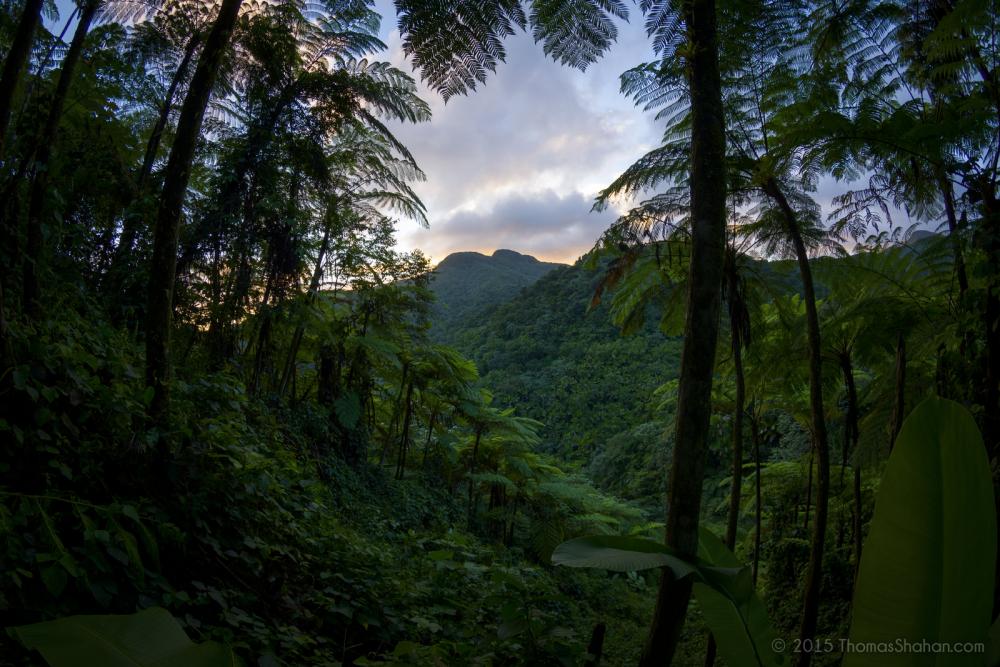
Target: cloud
[[547, 225], [533, 146], [517, 163]]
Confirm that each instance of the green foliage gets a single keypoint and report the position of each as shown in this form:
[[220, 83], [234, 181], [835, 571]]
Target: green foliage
[[544, 353], [149, 638], [622, 554], [249, 547], [467, 282], [331, 485], [723, 589], [739, 621], [454, 61], [927, 567]]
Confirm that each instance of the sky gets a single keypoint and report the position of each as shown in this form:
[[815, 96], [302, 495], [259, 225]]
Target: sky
[[517, 163]]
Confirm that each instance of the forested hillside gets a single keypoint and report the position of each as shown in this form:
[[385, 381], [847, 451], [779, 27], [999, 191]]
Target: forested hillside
[[756, 425], [465, 283], [547, 352]]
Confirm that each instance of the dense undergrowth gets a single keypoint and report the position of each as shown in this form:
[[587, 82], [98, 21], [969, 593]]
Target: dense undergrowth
[[252, 538], [221, 391]]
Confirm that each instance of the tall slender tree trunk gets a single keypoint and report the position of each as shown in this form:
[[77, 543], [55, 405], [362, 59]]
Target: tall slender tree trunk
[[156, 136], [404, 439], [736, 485], [42, 166], [427, 443], [701, 327], [810, 606], [167, 231], [851, 436], [130, 227], [814, 576], [809, 488], [396, 409], [758, 510], [948, 195], [472, 471], [300, 328], [14, 63], [899, 404]]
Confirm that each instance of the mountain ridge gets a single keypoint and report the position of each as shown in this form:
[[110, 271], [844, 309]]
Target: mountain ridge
[[468, 282]]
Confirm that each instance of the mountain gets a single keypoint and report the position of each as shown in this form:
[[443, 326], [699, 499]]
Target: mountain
[[547, 353], [467, 282]]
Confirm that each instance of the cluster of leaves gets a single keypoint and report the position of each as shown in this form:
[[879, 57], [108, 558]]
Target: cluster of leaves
[[245, 544], [544, 352]]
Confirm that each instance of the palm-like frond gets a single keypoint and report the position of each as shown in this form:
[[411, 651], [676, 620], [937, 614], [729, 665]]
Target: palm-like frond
[[455, 45], [576, 32]]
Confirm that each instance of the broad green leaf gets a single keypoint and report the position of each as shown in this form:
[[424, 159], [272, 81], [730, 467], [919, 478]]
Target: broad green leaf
[[619, 554], [927, 567], [151, 638], [733, 611], [724, 589]]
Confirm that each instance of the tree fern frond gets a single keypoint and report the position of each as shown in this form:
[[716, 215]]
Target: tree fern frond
[[576, 32]]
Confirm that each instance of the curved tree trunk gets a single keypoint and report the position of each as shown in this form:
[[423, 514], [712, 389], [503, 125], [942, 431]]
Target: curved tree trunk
[[41, 169], [736, 487], [404, 438], [701, 327], [810, 603], [14, 63], [430, 434], [948, 194], [156, 136], [167, 230], [130, 227], [851, 435], [899, 404], [300, 328], [758, 511], [472, 471]]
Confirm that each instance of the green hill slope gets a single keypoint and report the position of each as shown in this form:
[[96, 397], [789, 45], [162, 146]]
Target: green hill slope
[[467, 282], [571, 369]]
